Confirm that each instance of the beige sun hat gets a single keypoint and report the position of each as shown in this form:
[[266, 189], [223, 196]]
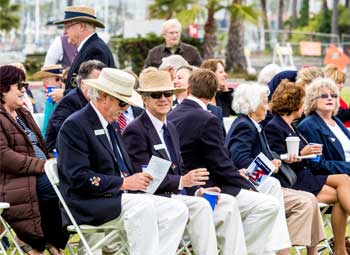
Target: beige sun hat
[[116, 83], [48, 71], [154, 80], [80, 13]]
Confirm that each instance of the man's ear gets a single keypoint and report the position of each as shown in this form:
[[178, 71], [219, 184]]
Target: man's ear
[[188, 90]]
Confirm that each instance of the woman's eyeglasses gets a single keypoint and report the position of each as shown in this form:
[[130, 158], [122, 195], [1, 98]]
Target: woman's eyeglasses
[[158, 95], [21, 85], [326, 96]]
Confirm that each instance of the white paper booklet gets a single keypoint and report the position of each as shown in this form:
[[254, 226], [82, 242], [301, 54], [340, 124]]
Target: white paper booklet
[[158, 168], [259, 169]]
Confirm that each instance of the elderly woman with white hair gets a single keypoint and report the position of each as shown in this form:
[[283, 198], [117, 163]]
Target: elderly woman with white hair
[[245, 141], [171, 31], [321, 126]]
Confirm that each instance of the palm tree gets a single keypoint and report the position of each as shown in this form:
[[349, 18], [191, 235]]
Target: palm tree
[[69, 2], [265, 22], [9, 17], [294, 14], [167, 9], [235, 58], [280, 14], [335, 14], [210, 28]]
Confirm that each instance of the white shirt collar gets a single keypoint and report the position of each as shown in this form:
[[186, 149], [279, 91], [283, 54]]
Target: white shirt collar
[[198, 101], [158, 124], [256, 124], [103, 121], [84, 41]]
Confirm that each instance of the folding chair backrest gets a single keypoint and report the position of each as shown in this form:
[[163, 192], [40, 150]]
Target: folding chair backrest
[[52, 174]]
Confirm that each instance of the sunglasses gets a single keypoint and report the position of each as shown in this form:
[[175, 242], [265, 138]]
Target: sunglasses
[[122, 103], [158, 95], [21, 85], [326, 96]]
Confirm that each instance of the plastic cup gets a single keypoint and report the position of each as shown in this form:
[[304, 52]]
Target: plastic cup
[[49, 90], [293, 145], [212, 198], [318, 157]]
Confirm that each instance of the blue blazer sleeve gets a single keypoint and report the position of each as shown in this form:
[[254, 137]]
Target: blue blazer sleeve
[[240, 145]]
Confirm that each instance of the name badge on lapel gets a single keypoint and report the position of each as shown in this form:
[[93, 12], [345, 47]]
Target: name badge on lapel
[[158, 147], [99, 132]]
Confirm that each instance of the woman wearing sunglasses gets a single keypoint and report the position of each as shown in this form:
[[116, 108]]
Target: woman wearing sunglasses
[[34, 213], [321, 126]]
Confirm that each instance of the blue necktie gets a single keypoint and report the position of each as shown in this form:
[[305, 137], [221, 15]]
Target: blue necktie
[[121, 164], [171, 149]]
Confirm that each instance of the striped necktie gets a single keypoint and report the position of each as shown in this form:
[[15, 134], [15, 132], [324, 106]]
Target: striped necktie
[[121, 122]]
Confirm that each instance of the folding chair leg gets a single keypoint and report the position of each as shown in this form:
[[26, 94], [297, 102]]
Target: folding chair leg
[[12, 237]]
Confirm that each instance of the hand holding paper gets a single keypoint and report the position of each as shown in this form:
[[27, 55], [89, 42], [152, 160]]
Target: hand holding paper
[[259, 169], [157, 168]]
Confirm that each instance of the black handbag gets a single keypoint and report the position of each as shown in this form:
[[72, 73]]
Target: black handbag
[[285, 175]]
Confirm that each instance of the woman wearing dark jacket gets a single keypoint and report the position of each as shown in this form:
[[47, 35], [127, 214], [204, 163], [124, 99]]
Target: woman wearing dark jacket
[[223, 97], [34, 213], [287, 105]]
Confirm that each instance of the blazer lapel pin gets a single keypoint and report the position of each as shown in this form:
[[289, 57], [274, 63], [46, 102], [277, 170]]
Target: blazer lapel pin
[[99, 132]]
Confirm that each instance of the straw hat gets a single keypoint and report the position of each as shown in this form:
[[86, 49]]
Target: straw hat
[[80, 13], [116, 83], [48, 71], [154, 80]]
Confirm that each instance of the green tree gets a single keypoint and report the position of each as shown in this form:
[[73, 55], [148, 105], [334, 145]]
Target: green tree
[[265, 23], [235, 58], [9, 17], [335, 15]]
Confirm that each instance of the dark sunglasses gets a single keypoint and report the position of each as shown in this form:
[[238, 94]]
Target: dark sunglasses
[[158, 95], [21, 85], [326, 96], [122, 103]]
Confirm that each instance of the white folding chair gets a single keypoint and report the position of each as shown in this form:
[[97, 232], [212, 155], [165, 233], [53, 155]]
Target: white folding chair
[[7, 232], [324, 245], [110, 231]]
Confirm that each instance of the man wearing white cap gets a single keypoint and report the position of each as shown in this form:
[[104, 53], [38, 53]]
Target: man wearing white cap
[[80, 24], [95, 172], [150, 134]]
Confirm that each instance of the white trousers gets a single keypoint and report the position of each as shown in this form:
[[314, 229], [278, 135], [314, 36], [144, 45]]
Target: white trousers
[[259, 213], [279, 237], [153, 225], [209, 229]]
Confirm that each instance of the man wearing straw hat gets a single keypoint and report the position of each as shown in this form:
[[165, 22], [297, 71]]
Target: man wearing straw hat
[[95, 172], [151, 134], [80, 24]]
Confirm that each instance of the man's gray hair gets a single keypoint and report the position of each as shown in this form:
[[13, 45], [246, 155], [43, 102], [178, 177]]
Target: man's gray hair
[[247, 97], [173, 61], [170, 23], [94, 94], [87, 67], [268, 72]]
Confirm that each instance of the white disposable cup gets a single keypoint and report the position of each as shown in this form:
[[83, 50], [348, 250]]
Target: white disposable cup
[[293, 145]]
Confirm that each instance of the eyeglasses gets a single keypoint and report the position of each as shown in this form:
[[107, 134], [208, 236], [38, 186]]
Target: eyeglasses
[[158, 95], [66, 26], [122, 103], [21, 85], [326, 96]]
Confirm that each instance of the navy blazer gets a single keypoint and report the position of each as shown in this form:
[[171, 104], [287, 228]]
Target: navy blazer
[[244, 142], [137, 110], [93, 48], [141, 140], [332, 160], [202, 145], [69, 104], [84, 153]]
